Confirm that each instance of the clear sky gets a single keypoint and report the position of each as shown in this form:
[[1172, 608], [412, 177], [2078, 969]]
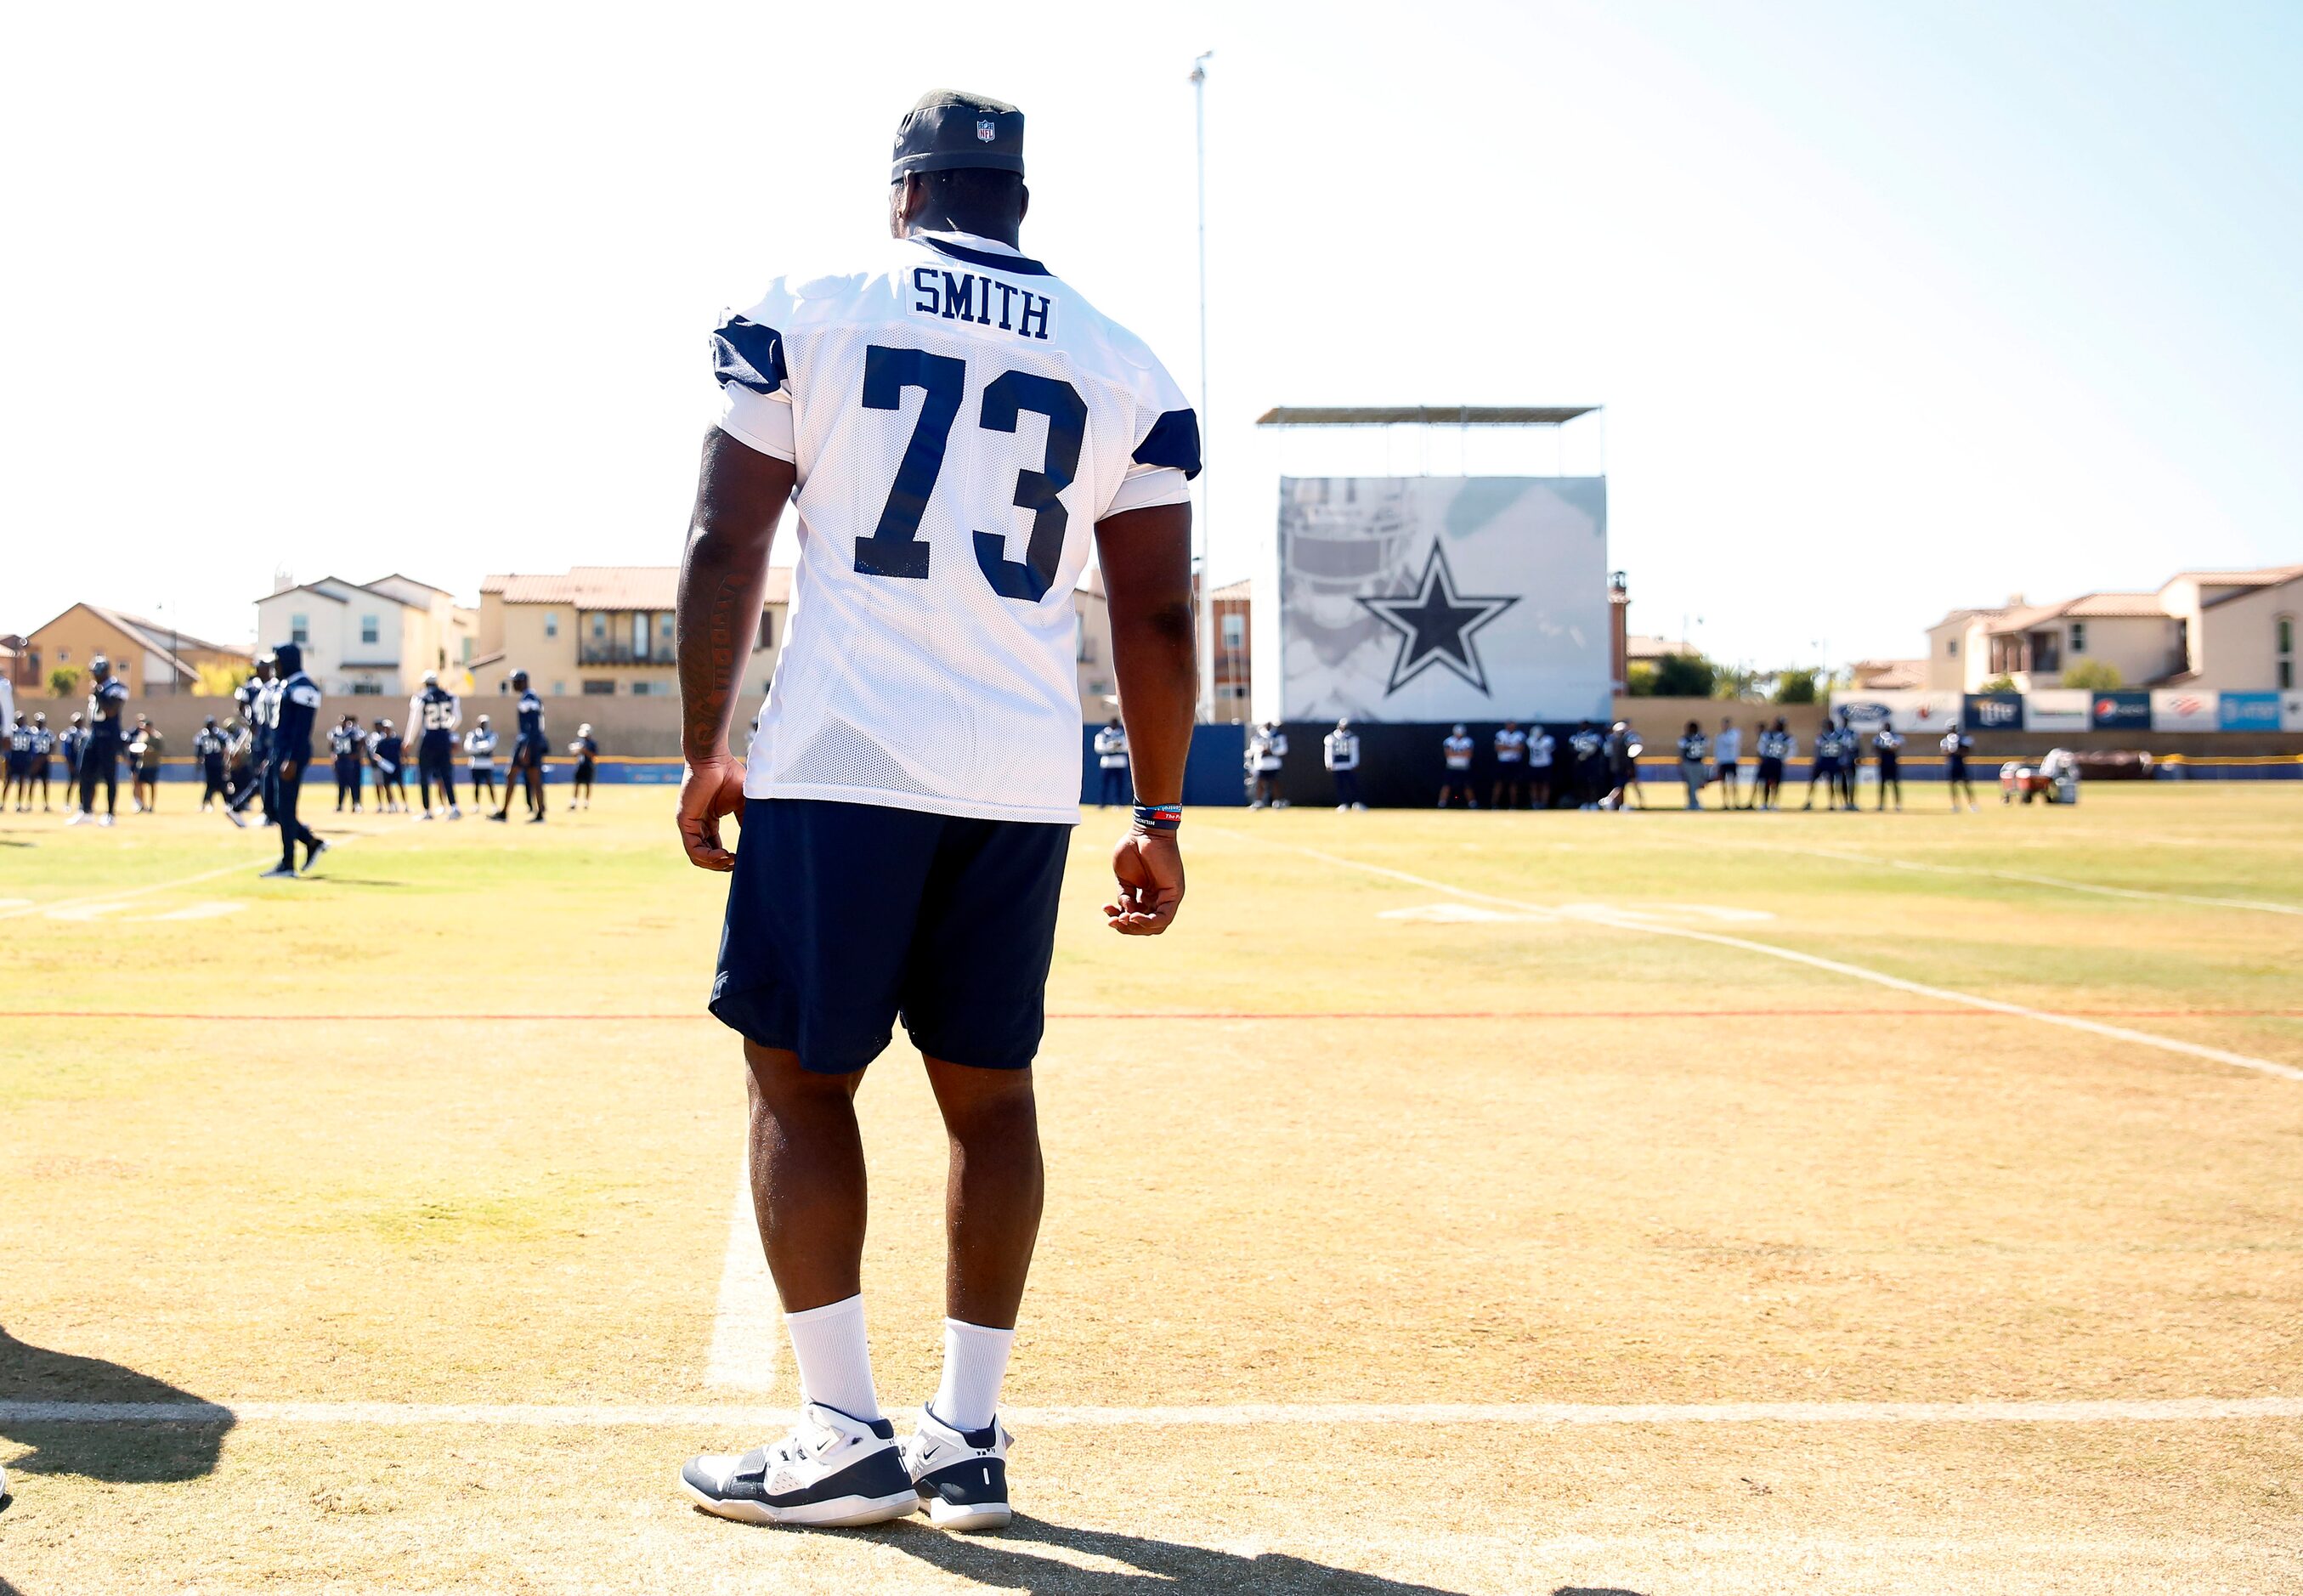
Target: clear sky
[[1892, 307]]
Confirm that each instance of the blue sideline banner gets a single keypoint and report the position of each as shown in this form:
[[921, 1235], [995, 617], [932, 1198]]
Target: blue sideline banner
[[2123, 710], [1994, 712], [2248, 712]]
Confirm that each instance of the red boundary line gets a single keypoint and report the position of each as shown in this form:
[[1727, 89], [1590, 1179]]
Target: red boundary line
[[1235, 1015]]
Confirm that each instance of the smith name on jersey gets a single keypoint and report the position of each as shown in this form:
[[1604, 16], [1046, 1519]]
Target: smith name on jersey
[[959, 419]]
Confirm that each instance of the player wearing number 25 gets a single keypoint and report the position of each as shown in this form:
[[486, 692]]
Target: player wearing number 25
[[954, 425]]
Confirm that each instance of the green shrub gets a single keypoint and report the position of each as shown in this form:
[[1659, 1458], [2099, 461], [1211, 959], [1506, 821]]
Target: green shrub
[[64, 681], [2096, 675], [1685, 676], [1794, 687], [2001, 683]]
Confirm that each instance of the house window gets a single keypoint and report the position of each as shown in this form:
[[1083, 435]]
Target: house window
[[367, 689], [644, 689], [664, 630], [2078, 637], [599, 626], [767, 630], [300, 629], [63, 656], [464, 653], [551, 623], [595, 689], [1951, 647], [2047, 651], [1235, 631], [2284, 637], [368, 628]]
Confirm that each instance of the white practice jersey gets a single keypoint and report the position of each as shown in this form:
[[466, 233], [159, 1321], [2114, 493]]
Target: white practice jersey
[[960, 419]]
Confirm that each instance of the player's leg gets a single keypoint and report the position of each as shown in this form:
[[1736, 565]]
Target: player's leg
[[448, 785]]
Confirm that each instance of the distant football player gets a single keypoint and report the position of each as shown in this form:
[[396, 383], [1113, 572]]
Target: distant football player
[[528, 750], [387, 759], [296, 698], [1777, 747], [1266, 757], [1822, 766], [18, 782], [1851, 760], [433, 715], [1727, 762], [44, 748], [146, 748], [1956, 745], [99, 759], [346, 754], [959, 423], [480, 755], [1111, 763], [1510, 790], [209, 747], [1694, 748], [1619, 755], [71, 743], [1543, 750], [1588, 764], [1887, 746], [259, 698], [1455, 769], [1340, 750], [584, 748]]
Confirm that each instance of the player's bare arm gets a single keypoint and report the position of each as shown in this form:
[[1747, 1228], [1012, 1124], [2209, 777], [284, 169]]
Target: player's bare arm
[[740, 496], [1146, 555]]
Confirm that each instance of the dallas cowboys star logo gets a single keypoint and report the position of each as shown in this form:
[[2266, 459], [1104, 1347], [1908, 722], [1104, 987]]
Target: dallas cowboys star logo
[[1435, 624]]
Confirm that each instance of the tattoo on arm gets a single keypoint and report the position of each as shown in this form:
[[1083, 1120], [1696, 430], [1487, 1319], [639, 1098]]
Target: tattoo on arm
[[739, 499]]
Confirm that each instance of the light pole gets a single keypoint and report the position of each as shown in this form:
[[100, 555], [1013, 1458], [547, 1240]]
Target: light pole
[[1207, 612]]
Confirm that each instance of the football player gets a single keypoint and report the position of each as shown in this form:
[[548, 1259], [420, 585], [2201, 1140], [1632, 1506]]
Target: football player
[[387, 759], [480, 753], [99, 759], [1824, 766], [44, 748], [1694, 747], [1455, 763], [528, 750], [1777, 745], [1587, 750], [585, 749], [346, 746], [209, 746], [146, 750], [295, 700], [1340, 749], [433, 715], [1727, 762], [962, 425], [1543, 749], [1887, 743], [1266, 757], [1111, 763], [1510, 790], [1956, 747], [18, 778]]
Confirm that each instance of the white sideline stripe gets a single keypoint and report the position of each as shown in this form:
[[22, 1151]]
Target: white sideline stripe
[[121, 894], [1592, 915], [550, 1416], [748, 1323]]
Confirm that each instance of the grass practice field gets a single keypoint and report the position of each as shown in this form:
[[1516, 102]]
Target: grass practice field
[[1463, 1203]]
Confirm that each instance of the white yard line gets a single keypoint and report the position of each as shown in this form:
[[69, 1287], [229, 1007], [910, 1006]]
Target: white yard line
[[707, 1416], [122, 894], [748, 1323], [1597, 916]]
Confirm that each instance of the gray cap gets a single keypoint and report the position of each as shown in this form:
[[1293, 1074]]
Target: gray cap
[[949, 130]]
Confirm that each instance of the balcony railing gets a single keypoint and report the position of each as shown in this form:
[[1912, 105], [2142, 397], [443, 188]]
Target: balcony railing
[[621, 653]]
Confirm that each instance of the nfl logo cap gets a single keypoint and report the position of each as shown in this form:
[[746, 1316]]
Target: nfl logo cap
[[949, 130]]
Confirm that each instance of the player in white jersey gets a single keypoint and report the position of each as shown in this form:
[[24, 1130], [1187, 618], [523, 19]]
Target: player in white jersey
[[950, 420]]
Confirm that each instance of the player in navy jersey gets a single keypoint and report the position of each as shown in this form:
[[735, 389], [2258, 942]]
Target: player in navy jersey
[[1694, 747], [585, 750], [73, 739], [347, 749], [1887, 745], [525, 774], [1851, 760], [1776, 748], [209, 746], [1956, 745], [1587, 750], [433, 716], [44, 748], [1620, 753], [1510, 790], [961, 426], [99, 759], [387, 763], [147, 748], [18, 778], [259, 698], [296, 701]]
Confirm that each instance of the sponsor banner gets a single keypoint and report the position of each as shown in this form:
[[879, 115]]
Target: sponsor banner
[[2182, 709], [1906, 709], [2248, 712], [2125, 709], [2290, 712], [2058, 709], [1994, 712], [1867, 714], [1443, 598]]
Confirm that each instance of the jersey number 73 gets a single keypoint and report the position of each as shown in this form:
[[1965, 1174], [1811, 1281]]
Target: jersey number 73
[[894, 548]]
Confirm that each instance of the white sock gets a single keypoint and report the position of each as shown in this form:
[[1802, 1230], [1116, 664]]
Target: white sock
[[835, 1360], [974, 1361]]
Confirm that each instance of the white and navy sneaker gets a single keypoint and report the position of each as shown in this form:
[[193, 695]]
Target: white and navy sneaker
[[961, 1474], [832, 1470]]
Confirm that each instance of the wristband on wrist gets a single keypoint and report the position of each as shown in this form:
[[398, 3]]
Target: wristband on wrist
[[1159, 817]]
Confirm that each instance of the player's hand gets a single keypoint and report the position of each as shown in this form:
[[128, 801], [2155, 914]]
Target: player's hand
[[711, 788], [290, 771], [1150, 869]]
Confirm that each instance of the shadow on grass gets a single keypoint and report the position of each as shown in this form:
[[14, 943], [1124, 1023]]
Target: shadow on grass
[[1008, 1562], [132, 1452]]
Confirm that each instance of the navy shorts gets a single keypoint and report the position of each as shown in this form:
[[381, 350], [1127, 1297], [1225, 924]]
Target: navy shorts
[[842, 917]]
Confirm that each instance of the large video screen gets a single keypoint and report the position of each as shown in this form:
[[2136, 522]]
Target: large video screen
[[1443, 598]]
